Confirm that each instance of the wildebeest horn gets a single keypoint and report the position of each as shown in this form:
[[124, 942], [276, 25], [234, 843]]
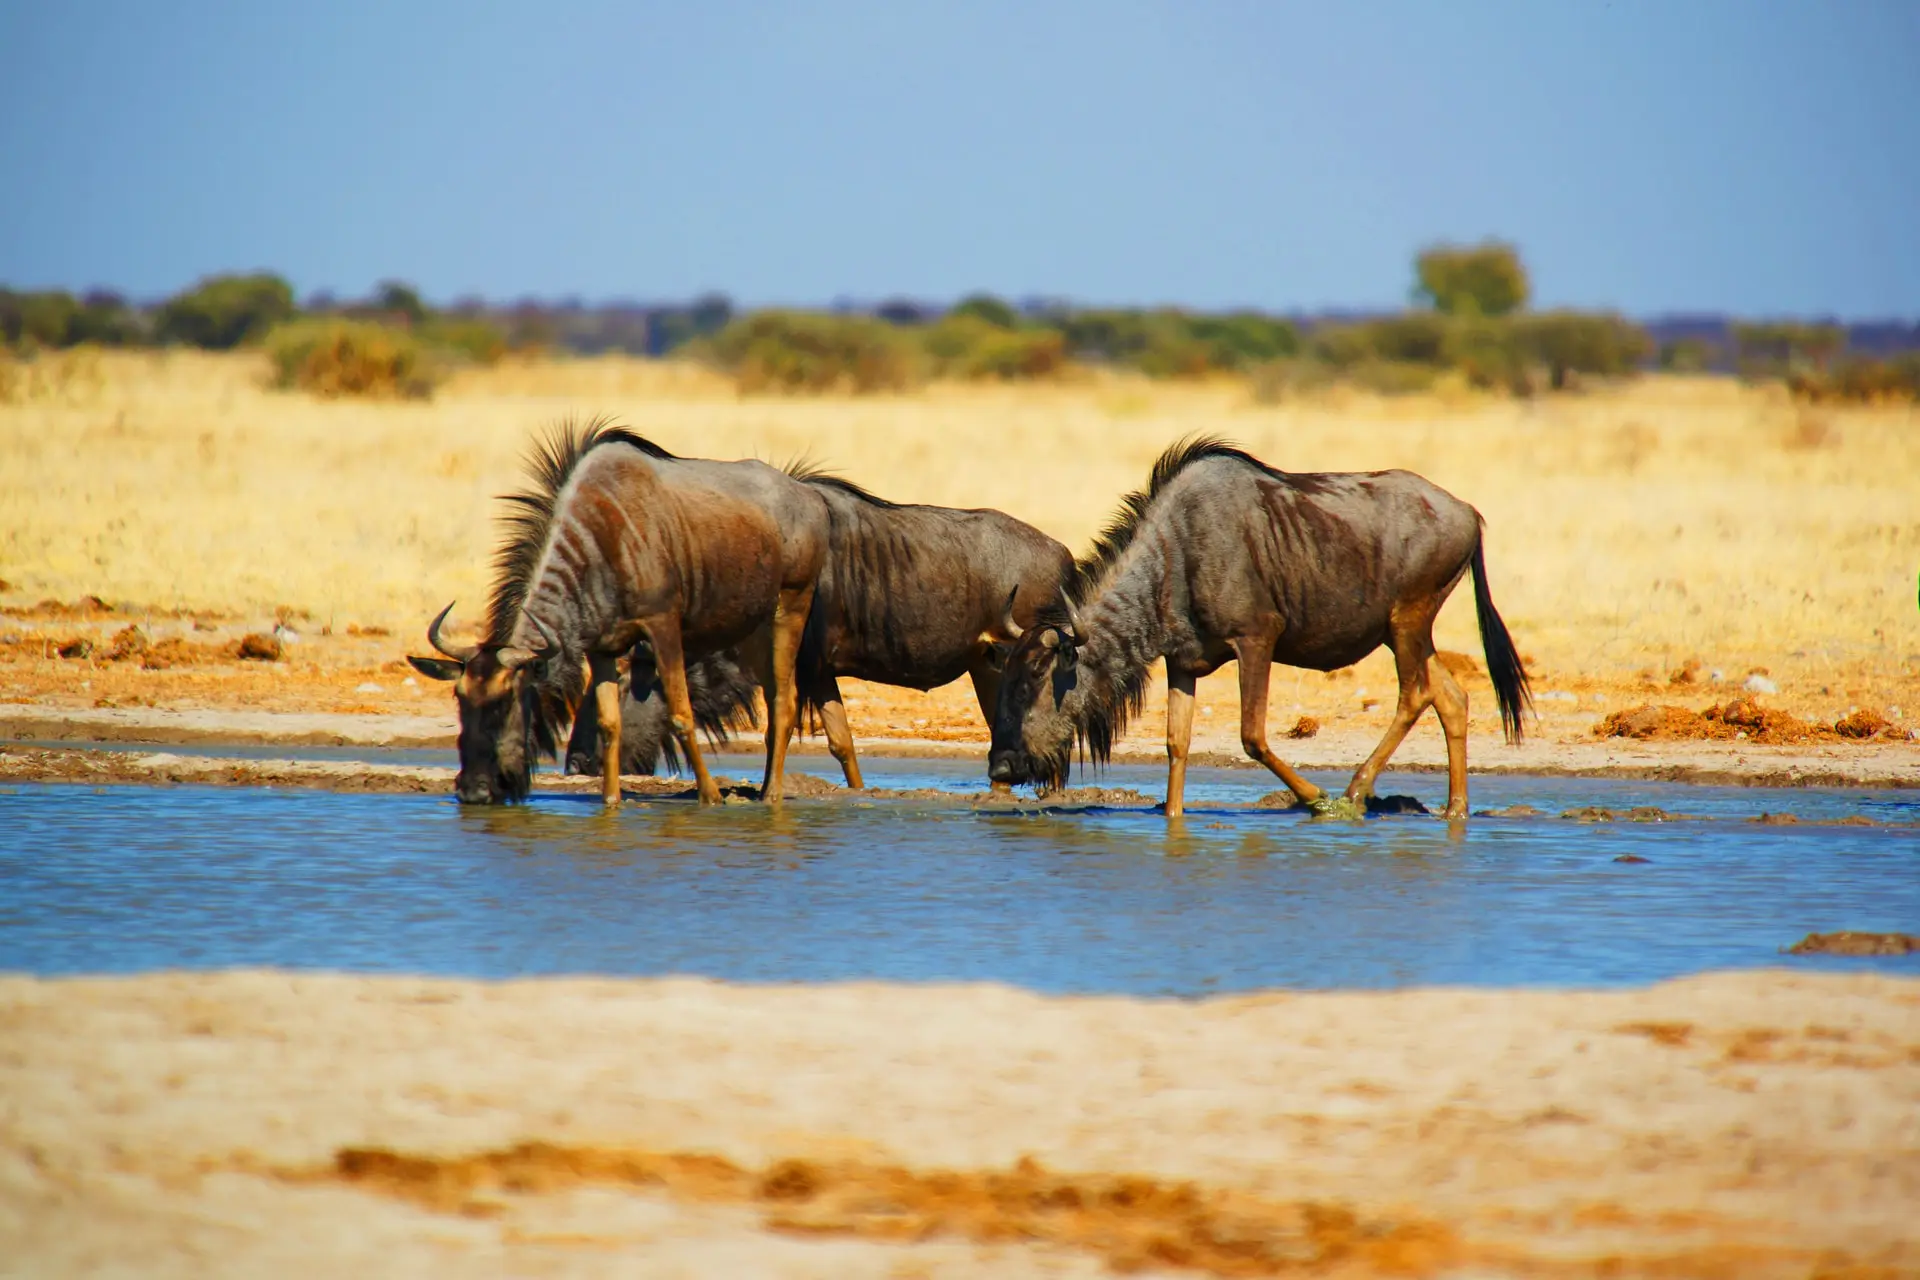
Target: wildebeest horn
[[1073, 617], [548, 641], [464, 654], [1008, 627]]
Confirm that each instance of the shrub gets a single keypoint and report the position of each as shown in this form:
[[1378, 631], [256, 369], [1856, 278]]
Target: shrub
[[1576, 342], [966, 345], [797, 352], [477, 341], [222, 312], [1243, 339], [336, 357], [985, 306], [1861, 381]]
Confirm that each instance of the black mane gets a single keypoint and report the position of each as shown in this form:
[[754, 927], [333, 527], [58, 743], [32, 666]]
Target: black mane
[[1113, 541], [529, 515], [548, 703], [1107, 716], [814, 473]]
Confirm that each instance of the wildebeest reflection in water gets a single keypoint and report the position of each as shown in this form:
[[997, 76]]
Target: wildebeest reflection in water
[[1222, 558]]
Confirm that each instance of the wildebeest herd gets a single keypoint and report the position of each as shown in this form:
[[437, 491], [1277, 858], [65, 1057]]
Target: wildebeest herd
[[713, 580]]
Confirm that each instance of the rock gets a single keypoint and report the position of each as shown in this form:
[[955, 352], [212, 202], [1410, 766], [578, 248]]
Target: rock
[[1777, 820], [1588, 813], [1760, 684], [1304, 727], [1630, 857], [368, 686]]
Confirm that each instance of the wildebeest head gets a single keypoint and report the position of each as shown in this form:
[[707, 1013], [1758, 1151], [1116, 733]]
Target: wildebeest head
[[493, 685], [1033, 718]]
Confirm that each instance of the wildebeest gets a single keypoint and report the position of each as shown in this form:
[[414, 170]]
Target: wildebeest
[[620, 541], [911, 595], [1225, 559], [720, 688]]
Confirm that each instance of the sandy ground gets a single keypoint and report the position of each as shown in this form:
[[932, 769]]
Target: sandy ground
[[256, 1123]]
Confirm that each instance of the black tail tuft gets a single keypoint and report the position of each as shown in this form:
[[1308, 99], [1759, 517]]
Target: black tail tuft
[[1510, 687], [812, 677]]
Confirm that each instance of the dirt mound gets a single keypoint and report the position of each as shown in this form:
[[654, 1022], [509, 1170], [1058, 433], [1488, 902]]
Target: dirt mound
[[258, 646], [1742, 718], [1461, 665], [1849, 943], [1304, 727]]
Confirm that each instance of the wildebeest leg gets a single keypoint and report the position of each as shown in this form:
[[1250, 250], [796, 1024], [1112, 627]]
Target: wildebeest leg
[[606, 705], [833, 718], [1179, 734], [986, 691], [1412, 650], [789, 622], [1450, 701], [1254, 657], [670, 662]]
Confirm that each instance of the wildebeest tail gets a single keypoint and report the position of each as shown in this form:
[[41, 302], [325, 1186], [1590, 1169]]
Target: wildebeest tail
[[1509, 675], [723, 695], [810, 670]]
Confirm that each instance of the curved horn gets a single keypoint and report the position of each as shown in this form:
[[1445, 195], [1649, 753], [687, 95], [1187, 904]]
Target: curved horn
[[1008, 627], [548, 641], [463, 654], [1073, 618]]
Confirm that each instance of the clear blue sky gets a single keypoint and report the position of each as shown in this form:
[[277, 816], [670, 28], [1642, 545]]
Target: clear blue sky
[[1753, 156]]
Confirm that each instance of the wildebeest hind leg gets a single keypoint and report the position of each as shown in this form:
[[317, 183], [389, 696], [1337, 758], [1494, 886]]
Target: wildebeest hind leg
[[1412, 650], [1254, 657], [670, 661], [1450, 701], [789, 622], [833, 718]]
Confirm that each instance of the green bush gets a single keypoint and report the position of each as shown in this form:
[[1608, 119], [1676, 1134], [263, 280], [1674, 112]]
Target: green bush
[[1860, 381], [984, 306], [334, 357], [967, 345], [799, 351], [222, 312], [476, 341]]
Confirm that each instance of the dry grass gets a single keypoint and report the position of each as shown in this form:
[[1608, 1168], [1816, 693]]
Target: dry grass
[[1628, 531]]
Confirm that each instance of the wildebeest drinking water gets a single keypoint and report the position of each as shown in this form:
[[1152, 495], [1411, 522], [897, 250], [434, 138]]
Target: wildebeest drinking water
[[911, 595], [621, 541], [1225, 559]]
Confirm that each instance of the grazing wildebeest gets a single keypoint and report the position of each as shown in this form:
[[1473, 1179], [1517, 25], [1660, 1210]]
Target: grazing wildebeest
[[620, 541], [720, 688], [1222, 559], [913, 596]]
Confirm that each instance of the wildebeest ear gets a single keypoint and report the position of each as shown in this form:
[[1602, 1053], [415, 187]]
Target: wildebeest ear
[[436, 668], [997, 655]]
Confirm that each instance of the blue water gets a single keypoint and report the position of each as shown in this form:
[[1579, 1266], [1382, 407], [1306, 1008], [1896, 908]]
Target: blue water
[[122, 879]]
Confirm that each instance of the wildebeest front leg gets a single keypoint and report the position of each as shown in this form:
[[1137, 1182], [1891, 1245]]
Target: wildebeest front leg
[[1254, 657], [605, 677], [833, 718], [986, 691], [789, 622], [1179, 735], [670, 662]]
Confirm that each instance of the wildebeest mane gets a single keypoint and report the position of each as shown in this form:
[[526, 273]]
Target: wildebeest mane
[[807, 471], [1113, 541], [526, 522], [1116, 699], [529, 514]]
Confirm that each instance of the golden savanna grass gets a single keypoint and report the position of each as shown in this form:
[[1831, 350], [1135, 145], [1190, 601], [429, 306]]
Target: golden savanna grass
[[1628, 530]]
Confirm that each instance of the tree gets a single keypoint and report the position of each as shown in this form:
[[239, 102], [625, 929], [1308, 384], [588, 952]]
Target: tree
[[221, 312], [988, 308], [1486, 279], [401, 300]]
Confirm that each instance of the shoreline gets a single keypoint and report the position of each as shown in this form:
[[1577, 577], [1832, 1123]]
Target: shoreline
[[1759, 1123], [1876, 765]]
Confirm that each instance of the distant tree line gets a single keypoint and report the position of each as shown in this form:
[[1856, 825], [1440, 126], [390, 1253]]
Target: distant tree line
[[1469, 321]]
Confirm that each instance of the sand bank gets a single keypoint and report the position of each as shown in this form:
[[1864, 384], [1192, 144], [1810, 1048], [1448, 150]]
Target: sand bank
[[255, 1123]]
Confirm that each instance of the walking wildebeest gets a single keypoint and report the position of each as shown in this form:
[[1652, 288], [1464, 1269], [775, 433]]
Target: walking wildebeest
[[1223, 558], [911, 595], [620, 541]]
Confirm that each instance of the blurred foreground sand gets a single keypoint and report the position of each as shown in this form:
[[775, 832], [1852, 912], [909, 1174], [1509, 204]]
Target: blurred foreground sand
[[1754, 1125]]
